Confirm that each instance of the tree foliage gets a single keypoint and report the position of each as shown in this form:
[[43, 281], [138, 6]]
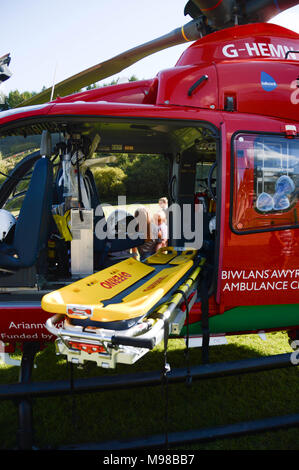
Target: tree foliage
[[138, 176], [14, 98], [109, 182], [147, 176]]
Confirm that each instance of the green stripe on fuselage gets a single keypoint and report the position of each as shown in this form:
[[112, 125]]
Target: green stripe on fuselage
[[250, 318]]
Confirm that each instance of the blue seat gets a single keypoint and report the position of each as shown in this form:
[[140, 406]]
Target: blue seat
[[32, 227], [102, 247]]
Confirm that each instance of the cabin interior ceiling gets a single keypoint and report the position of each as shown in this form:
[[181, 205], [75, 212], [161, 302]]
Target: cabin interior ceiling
[[139, 136]]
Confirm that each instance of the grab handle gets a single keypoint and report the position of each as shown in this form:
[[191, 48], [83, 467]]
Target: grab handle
[[148, 343]]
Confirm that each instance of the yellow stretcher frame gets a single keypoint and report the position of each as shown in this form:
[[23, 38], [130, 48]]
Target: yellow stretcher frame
[[169, 255], [93, 290], [84, 298]]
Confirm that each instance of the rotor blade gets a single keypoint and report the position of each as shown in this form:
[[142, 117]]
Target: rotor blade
[[5, 59], [189, 32], [224, 13], [265, 10], [5, 73], [217, 13]]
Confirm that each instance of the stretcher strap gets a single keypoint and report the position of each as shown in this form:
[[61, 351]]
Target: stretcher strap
[[189, 377], [165, 371], [203, 292], [74, 410], [166, 365]]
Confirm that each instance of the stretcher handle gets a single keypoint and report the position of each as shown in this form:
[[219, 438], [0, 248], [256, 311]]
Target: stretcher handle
[[148, 343]]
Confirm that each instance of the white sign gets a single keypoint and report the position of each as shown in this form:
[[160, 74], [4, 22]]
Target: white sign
[[260, 280], [258, 49]]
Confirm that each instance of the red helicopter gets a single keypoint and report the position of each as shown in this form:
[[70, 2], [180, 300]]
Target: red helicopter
[[226, 119]]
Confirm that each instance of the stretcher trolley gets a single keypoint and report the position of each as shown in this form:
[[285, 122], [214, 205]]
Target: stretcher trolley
[[120, 313]]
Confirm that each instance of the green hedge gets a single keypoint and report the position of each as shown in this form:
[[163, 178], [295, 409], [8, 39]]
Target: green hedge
[[142, 176], [109, 182], [147, 176]]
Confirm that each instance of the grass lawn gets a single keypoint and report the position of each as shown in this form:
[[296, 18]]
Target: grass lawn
[[140, 412], [136, 413]]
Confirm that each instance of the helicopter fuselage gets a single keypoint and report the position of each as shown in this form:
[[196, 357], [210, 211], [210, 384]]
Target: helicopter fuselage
[[231, 100]]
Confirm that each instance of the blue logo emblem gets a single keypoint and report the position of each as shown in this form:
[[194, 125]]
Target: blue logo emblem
[[268, 83]]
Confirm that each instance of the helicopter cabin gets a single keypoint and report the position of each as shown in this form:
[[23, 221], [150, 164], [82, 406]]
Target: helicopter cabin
[[221, 127]]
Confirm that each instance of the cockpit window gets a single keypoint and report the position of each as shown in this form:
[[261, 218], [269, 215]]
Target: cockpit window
[[266, 182], [15, 200]]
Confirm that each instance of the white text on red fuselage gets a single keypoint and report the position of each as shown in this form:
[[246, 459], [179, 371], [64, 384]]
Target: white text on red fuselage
[[259, 49]]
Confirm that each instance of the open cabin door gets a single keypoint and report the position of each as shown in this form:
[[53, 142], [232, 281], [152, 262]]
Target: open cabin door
[[259, 228]]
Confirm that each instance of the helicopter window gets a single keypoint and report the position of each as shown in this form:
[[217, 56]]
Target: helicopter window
[[15, 200], [266, 185]]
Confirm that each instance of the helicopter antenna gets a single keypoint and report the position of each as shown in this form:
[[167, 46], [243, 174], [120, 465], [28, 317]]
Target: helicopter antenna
[[53, 85]]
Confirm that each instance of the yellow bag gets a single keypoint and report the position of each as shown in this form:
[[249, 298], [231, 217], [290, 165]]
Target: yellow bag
[[63, 225]]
